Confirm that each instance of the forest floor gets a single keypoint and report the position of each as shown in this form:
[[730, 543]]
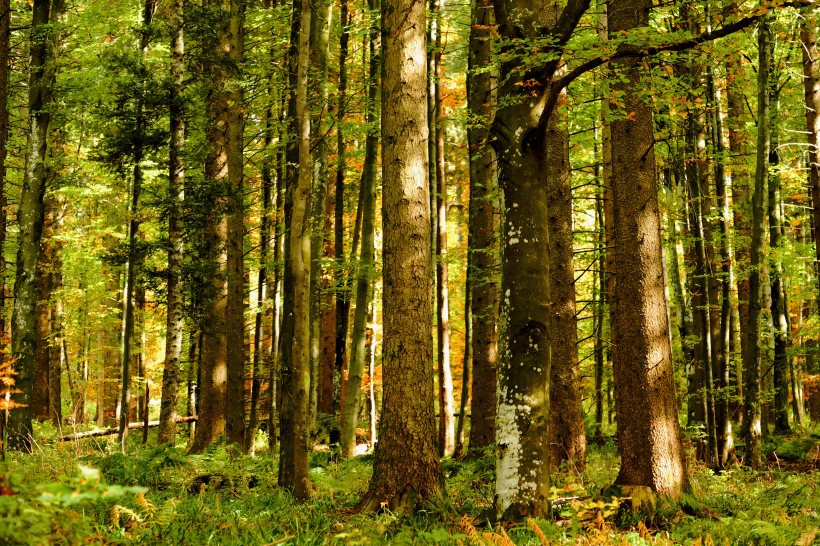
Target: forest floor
[[89, 493]]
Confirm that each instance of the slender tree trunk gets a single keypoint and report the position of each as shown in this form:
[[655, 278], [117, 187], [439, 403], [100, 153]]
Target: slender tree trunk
[[322, 12], [811, 85], [407, 469], [133, 235], [342, 297], [233, 47], [446, 422], [364, 290], [56, 355], [779, 306], [176, 195], [5, 42], [567, 429], [293, 464], [723, 423], [752, 407], [42, 360], [598, 319], [648, 429], [30, 219], [482, 231], [466, 362], [111, 369]]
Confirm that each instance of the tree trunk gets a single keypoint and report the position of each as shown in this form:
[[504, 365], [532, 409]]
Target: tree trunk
[[293, 463], [342, 297], [322, 12], [364, 290], [752, 408], [5, 39], [811, 85], [567, 429], [213, 369], [648, 429], [176, 196], [723, 423], [30, 219], [598, 319], [779, 307], [56, 355], [111, 359], [482, 230], [446, 422], [133, 236], [233, 49], [407, 469], [42, 361]]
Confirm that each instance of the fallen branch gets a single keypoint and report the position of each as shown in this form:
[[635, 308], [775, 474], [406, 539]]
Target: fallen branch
[[115, 430]]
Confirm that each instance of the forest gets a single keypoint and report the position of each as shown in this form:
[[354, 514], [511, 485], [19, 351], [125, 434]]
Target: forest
[[324, 272]]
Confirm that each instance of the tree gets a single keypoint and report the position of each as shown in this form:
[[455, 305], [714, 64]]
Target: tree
[[648, 429], [30, 217], [406, 469], [293, 458]]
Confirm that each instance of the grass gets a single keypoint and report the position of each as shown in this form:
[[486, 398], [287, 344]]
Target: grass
[[89, 493]]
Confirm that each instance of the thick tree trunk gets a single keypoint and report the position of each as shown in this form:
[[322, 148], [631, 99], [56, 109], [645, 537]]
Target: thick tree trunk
[[364, 290], [233, 48], [213, 369], [407, 469], [176, 195], [648, 429], [482, 230], [567, 429], [446, 407], [293, 463], [321, 14], [30, 219], [752, 408]]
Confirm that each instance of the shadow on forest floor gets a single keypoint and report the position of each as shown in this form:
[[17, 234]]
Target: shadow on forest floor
[[87, 493]]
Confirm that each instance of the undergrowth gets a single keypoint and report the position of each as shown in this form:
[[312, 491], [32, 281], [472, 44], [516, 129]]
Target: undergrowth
[[90, 493]]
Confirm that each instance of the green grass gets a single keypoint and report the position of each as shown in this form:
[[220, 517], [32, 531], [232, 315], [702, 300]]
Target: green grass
[[154, 496]]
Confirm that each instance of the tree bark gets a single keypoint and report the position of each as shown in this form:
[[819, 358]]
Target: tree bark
[[42, 360], [364, 290], [446, 406], [752, 408], [293, 463], [811, 85], [176, 196], [407, 469], [233, 49], [567, 429], [322, 12], [30, 219], [648, 429], [482, 230], [5, 43]]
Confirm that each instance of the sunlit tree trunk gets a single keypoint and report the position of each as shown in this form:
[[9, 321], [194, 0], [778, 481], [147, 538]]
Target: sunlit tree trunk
[[407, 469], [648, 429], [811, 86]]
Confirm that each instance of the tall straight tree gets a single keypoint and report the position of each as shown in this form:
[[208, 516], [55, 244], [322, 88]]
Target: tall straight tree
[[176, 195], [811, 86], [293, 463], [233, 46], [482, 247], [407, 469], [30, 215], [567, 430], [364, 289], [648, 429], [752, 410], [213, 370], [446, 422], [5, 39]]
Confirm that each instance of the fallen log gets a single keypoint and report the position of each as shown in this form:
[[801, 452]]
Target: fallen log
[[115, 430]]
